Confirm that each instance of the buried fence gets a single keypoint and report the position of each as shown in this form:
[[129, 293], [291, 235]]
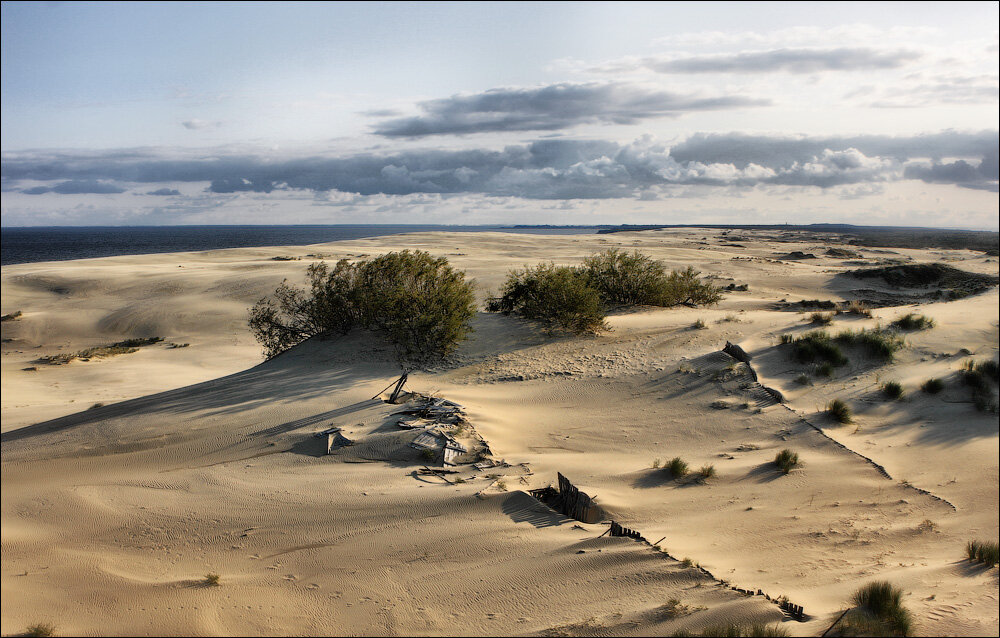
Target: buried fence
[[570, 501]]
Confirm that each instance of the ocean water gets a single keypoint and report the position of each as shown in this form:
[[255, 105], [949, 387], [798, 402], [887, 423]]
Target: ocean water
[[59, 243]]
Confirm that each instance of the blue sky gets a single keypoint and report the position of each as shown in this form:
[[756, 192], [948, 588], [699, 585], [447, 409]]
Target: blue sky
[[192, 113]]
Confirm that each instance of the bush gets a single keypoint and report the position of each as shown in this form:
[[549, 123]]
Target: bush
[[980, 377], [418, 303], [932, 386], [858, 308], [803, 379], [40, 629], [786, 339], [825, 369], [636, 279], [987, 553], [677, 467], [893, 390], [699, 325], [913, 321], [558, 297], [212, 579], [839, 410], [706, 472], [786, 460]]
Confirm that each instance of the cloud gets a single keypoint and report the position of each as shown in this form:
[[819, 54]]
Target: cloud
[[549, 108], [196, 124], [980, 89], [787, 60], [546, 169], [76, 187], [164, 192]]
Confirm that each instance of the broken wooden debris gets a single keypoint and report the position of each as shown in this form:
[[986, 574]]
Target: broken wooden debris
[[330, 430], [736, 352], [570, 501]]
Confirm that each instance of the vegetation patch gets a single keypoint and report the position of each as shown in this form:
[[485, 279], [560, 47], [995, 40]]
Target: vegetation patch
[[932, 386], [877, 342], [980, 377], [913, 321], [677, 467], [40, 629], [786, 460], [821, 318], [893, 389], [817, 346], [842, 253], [826, 304], [11, 316], [839, 411], [212, 579], [950, 281], [127, 346], [985, 552], [739, 630], [878, 611]]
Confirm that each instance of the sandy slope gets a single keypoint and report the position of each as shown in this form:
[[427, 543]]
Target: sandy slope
[[203, 461]]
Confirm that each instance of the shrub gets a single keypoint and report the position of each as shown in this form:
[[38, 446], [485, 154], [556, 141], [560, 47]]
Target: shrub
[[979, 376], [913, 321], [825, 369], [839, 410], [876, 342], [786, 460], [858, 308], [706, 472], [212, 579], [699, 325], [987, 553], [893, 390], [677, 467], [632, 278], [559, 297], [932, 386], [803, 379], [418, 303], [820, 318], [656, 463], [786, 339], [40, 629]]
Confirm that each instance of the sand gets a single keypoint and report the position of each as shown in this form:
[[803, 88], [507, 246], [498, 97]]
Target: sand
[[201, 458]]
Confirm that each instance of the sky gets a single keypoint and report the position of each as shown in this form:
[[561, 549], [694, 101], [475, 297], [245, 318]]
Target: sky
[[151, 113]]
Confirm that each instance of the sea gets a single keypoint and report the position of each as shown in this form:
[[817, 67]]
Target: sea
[[59, 243]]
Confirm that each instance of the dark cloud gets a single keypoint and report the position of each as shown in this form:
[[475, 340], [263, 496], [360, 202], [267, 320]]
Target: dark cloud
[[545, 169], [76, 187], [164, 192], [196, 124], [788, 60], [550, 108]]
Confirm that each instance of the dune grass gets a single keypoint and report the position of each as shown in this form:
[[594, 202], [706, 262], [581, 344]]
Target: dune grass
[[893, 389], [11, 316], [913, 321], [932, 386], [824, 369], [985, 552], [40, 629], [677, 467], [821, 318], [839, 411], [877, 342], [817, 346], [980, 377], [803, 379], [212, 579], [878, 610], [786, 339], [786, 460], [706, 472], [740, 630], [128, 346]]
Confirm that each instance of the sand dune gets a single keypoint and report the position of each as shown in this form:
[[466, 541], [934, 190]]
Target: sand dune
[[202, 458]]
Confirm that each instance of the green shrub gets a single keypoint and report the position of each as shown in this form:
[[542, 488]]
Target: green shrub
[[878, 610], [558, 297], [913, 321], [633, 278], [677, 467], [839, 410], [786, 460], [893, 390], [932, 386], [418, 303], [212, 579]]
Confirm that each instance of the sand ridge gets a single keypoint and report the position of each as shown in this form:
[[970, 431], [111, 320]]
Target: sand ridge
[[203, 460]]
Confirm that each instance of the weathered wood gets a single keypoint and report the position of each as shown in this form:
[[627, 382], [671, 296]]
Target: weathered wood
[[736, 352]]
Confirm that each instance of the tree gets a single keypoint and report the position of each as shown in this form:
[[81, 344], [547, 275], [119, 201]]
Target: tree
[[559, 297], [418, 303], [637, 279]]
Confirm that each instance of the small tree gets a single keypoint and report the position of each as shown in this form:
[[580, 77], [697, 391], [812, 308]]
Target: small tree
[[559, 297], [418, 303], [634, 278]]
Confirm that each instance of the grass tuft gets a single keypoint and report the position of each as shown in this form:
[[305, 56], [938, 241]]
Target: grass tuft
[[893, 390], [40, 629], [878, 610], [985, 552], [821, 318], [677, 467], [212, 579], [786, 339], [803, 379], [913, 321], [786, 460], [932, 386], [817, 346], [839, 410], [706, 472], [877, 342]]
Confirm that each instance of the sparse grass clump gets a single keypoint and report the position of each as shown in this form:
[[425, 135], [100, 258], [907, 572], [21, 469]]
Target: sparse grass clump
[[786, 460], [878, 611], [128, 346], [893, 389], [212, 579], [932, 386], [656, 463], [699, 325], [821, 318], [877, 342], [744, 630], [677, 467], [803, 379], [11, 316], [985, 552], [839, 410], [913, 321], [706, 472], [858, 308], [786, 339], [824, 369], [980, 377]]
